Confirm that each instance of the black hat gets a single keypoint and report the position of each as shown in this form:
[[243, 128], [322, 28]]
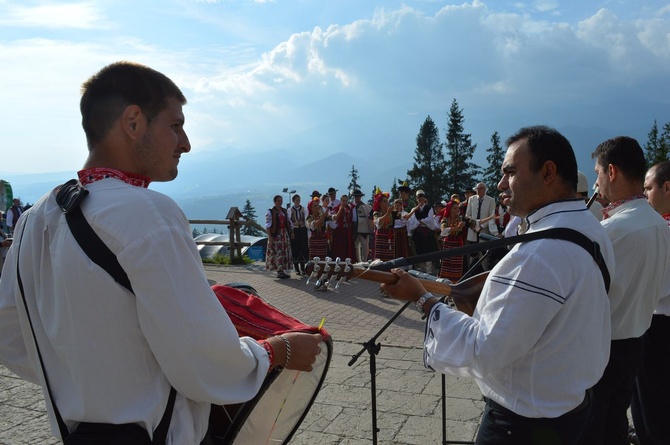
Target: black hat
[[331, 190], [357, 193], [404, 187], [316, 194]]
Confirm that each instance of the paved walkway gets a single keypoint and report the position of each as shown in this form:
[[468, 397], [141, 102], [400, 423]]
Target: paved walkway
[[409, 408]]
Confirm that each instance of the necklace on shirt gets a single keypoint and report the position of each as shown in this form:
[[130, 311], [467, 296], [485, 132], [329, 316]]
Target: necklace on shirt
[[91, 175], [616, 204]]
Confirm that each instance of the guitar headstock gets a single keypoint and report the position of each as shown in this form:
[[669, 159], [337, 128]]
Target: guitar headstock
[[325, 272]]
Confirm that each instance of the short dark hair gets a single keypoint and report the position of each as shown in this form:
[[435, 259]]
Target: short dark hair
[[277, 198], [107, 93], [296, 196], [661, 172], [624, 152], [547, 144]]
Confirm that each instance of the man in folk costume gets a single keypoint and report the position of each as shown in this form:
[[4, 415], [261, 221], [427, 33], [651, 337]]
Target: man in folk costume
[[13, 215], [280, 233], [407, 202], [332, 195], [364, 226], [538, 338], [652, 387], [299, 247], [108, 356], [342, 236], [640, 238]]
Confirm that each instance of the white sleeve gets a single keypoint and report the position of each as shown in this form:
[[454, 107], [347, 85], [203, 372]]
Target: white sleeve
[[508, 320]]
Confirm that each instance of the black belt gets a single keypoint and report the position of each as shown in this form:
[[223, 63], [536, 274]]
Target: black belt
[[580, 407]]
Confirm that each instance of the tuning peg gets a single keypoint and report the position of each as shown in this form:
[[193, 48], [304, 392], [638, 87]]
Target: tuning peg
[[315, 271], [347, 269]]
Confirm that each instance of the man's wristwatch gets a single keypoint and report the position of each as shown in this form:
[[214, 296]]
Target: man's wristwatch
[[421, 301]]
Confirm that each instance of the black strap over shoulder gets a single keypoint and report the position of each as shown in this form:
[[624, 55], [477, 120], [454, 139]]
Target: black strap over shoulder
[[69, 198], [591, 247]]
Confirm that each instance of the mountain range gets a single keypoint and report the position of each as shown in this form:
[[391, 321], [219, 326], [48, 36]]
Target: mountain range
[[210, 182]]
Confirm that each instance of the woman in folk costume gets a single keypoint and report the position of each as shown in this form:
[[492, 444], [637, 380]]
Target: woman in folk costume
[[299, 249], [280, 232], [384, 245], [316, 221], [452, 226], [391, 240], [342, 239]]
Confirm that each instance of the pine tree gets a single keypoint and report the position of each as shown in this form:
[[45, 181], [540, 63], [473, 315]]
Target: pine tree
[[664, 145], [429, 165], [652, 146], [461, 174], [249, 213], [353, 184], [492, 172], [394, 188]]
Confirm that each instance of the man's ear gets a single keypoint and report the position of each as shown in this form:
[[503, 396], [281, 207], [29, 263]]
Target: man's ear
[[549, 172], [666, 188], [132, 121], [613, 172]]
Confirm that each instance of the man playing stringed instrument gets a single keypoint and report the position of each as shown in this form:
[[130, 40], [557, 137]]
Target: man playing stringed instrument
[[538, 339]]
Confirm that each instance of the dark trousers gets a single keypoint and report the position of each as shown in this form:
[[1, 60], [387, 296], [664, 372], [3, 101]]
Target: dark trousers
[[651, 395], [501, 426], [612, 394]]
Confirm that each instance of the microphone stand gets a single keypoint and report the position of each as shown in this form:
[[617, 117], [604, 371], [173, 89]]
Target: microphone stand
[[373, 349]]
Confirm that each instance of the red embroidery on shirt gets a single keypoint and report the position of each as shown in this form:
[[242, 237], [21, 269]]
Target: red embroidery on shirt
[[91, 175], [616, 204]]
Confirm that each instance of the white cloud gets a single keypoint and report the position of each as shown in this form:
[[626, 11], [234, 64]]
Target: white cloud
[[84, 15]]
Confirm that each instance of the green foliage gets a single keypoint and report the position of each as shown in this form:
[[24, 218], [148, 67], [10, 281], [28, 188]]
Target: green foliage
[[225, 260], [492, 172], [249, 213], [657, 148], [429, 167], [461, 174], [353, 184]]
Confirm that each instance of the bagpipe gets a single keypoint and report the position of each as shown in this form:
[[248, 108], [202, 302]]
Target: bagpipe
[[276, 412]]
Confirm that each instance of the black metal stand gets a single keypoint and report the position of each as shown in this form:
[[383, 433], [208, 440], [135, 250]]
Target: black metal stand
[[373, 349], [444, 377]]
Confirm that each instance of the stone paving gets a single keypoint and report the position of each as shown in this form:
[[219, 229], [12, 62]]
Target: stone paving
[[409, 401]]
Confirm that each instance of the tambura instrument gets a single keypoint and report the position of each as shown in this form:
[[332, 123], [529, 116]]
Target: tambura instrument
[[275, 414]]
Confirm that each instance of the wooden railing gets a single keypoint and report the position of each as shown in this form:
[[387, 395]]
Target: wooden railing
[[234, 230]]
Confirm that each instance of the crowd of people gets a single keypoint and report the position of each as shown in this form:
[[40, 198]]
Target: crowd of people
[[391, 227]]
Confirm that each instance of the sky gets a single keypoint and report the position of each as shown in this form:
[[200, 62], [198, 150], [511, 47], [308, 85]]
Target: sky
[[258, 72]]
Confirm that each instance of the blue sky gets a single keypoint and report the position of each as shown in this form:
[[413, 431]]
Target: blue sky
[[258, 72]]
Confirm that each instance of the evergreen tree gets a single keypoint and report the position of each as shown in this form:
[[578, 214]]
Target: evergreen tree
[[372, 195], [652, 146], [492, 173], [249, 213], [664, 145], [429, 165], [196, 233], [353, 184], [461, 174], [394, 188]]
